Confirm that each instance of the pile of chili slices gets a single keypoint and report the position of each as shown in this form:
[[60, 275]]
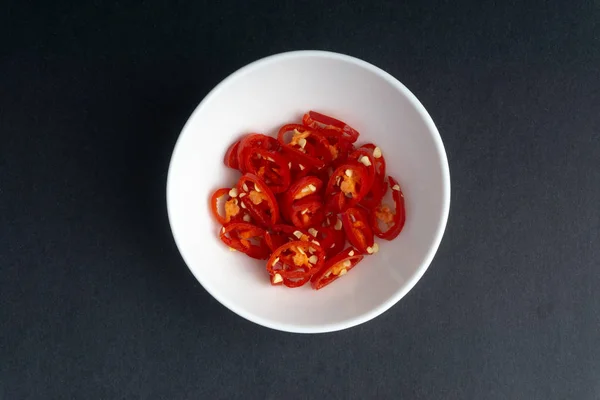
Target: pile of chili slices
[[302, 195]]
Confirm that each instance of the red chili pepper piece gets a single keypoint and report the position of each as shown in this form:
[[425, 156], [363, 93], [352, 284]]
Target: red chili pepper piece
[[231, 156], [330, 239], [246, 238], [294, 263], [348, 184], [335, 267], [253, 141], [307, 211], [303, 146], [258, 199], [270, 167], [301, 188], [280, 234], [316, 120], [338, 146], [394, 220], [232, 208], [358, 231]]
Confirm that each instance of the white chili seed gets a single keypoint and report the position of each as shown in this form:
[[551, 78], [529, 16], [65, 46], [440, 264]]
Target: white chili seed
[[377, 152]]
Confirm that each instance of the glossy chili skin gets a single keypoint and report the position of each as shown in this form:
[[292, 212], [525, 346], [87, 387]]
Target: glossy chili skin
[[379, 162], [239, 236], [227, 218], [327, 273], [399, 217], [301, 188], [251, 189], [281, 234], [271, 167], [358, 230], [231, 156], [214, 201], [312, 153], [285, 262], [251, 142], [348, 184], [316, 120], [307, 212]]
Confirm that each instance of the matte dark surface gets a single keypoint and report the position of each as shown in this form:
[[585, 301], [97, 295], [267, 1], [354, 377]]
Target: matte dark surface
[[95, 301]]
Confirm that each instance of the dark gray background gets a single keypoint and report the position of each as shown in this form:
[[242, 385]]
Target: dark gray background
[[95, 301]]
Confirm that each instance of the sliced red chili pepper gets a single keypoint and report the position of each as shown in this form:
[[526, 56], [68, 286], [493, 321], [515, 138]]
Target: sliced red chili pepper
[[280, 234], [330, 239], [232, 210], [214, 204], [358, 231], [269, 166], [258, 199], [231, 156], [374, 196], [339, 241], [394, 220], [338, 146], [304, 146], [295, 262], [246, 238], [348, 184], [307, 212], [303, 187], [365, 157], [379, 160], [335, 267], [297, 169], [315, 120], [253, 141], [376, 167]]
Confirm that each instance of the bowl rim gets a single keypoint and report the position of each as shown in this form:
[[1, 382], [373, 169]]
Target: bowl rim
[[410, 283]]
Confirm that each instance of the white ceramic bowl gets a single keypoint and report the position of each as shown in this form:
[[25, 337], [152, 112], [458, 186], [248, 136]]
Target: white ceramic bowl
[[263, 96]]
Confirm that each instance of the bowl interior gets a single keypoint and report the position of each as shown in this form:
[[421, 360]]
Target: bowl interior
[[260, 98]]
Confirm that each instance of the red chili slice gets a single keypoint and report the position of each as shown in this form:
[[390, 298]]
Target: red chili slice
[[232, 207], [294, 263], [331, 237], [316, 120], [246, 238], [348, 184], [335, 267], [280, 234], [338, 146], [303, 147], [303, 187], [231, 156], [251, 142], [358, 231], [270, 167], [307, 211], [258, 199], [394, 220], [379, 162]]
